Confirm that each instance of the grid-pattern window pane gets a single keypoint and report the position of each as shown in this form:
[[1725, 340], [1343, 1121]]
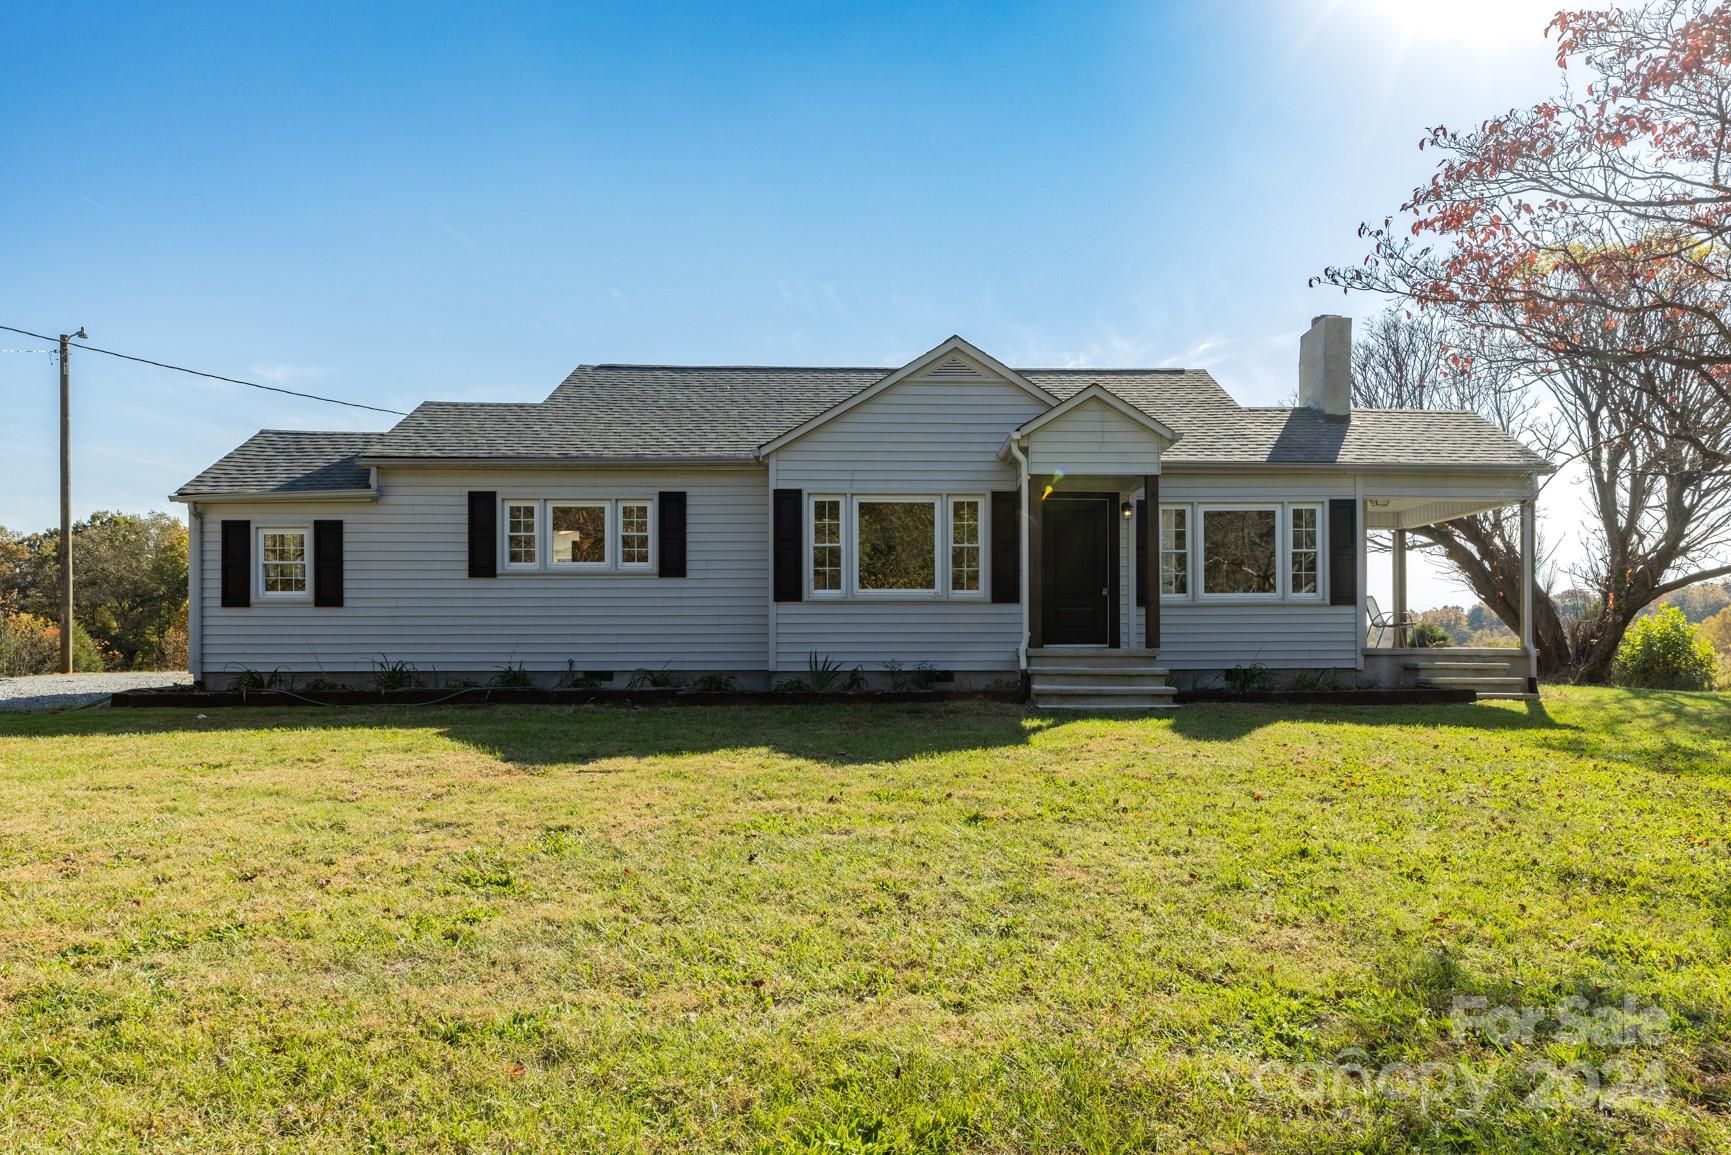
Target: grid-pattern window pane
[[633, 534], [283, 555], [965, 546], [520, 533], [1239, 551], [1305, 549], [579, 534], [826, 544], [1175, 551], [897, 545]]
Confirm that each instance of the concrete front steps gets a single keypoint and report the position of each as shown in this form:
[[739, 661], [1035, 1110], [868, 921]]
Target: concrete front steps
[[1490, 677], [1064, 679]]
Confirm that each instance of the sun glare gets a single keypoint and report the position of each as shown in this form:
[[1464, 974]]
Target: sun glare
[[1473, 23]]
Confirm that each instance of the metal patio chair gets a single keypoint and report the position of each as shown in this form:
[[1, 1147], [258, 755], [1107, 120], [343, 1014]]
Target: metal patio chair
[[1401, 623]]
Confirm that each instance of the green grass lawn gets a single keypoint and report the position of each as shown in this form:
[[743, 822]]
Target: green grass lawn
[[865, 928]]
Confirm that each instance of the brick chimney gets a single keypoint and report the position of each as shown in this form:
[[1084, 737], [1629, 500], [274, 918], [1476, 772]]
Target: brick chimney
[[1325, 366]]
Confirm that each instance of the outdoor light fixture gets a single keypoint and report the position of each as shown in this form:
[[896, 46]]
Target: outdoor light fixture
[[1126, 510]]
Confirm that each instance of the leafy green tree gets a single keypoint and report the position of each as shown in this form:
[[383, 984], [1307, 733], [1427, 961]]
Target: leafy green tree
[[129, 588], [1717, 631], [130, 581]]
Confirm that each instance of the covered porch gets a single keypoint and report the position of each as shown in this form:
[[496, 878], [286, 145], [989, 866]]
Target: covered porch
[[1389, 657]]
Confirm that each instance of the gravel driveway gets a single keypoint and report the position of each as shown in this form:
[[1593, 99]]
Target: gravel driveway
[[59, 691]]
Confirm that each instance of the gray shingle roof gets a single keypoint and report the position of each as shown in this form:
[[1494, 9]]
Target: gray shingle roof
[[1372, 437], [724, 413], [627, 412], [287, 461]]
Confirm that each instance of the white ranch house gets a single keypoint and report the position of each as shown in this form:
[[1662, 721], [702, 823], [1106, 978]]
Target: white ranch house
[[1106, 533]]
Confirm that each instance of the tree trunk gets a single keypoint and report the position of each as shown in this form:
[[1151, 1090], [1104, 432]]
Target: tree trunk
[[1492, 566]]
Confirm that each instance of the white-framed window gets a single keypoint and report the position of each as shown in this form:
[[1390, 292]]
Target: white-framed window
[[1304, 550], [896, 546], [578, 534], [284, 563], [1241, 552], [522, 522], [967, 546], [1175, 551], [634, 549], [827, 533], [586, 534]]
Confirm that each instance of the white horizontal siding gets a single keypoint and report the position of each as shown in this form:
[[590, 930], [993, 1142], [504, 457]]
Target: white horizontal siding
[[951, 634], [1199, 635], [1093, 438], [408, 596], [922, 435], [1203, 636]]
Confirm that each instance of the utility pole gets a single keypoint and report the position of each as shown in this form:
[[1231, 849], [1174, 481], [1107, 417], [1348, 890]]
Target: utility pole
[[66, 621]]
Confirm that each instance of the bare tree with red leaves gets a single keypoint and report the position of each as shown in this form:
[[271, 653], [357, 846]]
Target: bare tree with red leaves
[[1613, 204], [1578, 253]]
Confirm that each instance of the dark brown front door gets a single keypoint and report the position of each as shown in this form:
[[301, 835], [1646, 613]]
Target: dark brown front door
[[1077, 549]]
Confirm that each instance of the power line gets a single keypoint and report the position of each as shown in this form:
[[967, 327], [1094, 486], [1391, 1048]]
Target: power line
[[212, 376]]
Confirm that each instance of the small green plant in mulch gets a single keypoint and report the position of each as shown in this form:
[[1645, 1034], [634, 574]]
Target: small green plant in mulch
[[253, 680], [514, 677], [792, 686], [323, 684], [662, 679], [823, 672], [398, 675], [922, 676], [575, 679], [1248, 679], [716, 683]]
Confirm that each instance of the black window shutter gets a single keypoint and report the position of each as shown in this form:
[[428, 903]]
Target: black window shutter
[[789, 545], [1141, 551], [1006, 546], [670, 508], [1343, 552], [327, 563], [237, 563], [483, 533]]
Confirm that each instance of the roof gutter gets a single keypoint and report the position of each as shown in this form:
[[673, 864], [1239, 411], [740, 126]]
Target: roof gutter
[[187, 498], [1167, 465], [550, 462]]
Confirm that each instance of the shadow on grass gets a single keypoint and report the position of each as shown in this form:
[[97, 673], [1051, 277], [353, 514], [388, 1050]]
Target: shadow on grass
[[1228, 722], [567, 735], [1670, 732]]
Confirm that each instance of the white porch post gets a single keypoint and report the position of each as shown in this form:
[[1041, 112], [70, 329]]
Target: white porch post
[[1400, 581], [1529, 538]]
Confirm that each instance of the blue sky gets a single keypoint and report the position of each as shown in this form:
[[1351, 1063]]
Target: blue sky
[[399, 203]]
